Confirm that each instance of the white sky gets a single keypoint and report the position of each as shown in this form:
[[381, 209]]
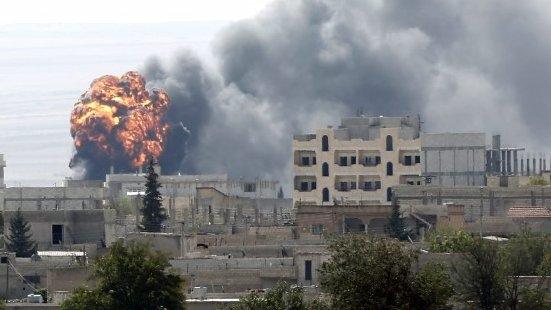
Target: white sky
[[127, 11]]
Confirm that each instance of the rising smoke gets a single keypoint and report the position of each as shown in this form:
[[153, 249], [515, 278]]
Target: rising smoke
[[301, 64]]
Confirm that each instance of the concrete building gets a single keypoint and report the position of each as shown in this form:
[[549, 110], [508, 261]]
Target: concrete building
[[62, 229], [454, 159], [185, 185], [180, 192], [215, 208], [485, 209], [358, 162], [51, 198], [342, 219]]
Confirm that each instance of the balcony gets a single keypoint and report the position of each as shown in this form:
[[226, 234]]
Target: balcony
[[370, 183], [305, 183], [304, 158]]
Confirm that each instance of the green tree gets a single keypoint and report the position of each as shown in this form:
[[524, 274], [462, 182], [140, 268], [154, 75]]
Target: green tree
[[153, 212], [480, 275], [282, 297], [526, 254], [432, 287], [131, 277], [19, 239], [397, 227], [367, 272], [449, 240]]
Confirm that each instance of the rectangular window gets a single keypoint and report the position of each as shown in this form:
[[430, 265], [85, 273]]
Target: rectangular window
[[377, 160], [368, 186], [317, 229], [32, 279], [308, 270], [367, 161], [344, 186], [377, 184], [352, 185], [417, 159], [250, 187], [314, 185], [303, 186], [407, 160], [314, 160], [343, 161], [305, 161], [57, 234], [352, 160]]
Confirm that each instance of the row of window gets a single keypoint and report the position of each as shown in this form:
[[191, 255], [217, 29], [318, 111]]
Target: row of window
[[343, 186], [325, 143], [369, 161]]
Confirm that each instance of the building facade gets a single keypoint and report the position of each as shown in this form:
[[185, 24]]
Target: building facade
[[454, 159], [357, 163], [120, 185], [63, 229]]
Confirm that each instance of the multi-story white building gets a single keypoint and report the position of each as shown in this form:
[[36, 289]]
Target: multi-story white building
[[357, 163]]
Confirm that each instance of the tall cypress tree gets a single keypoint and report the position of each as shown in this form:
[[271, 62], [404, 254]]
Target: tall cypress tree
[[397, 227], [153, 212], [19, 239]]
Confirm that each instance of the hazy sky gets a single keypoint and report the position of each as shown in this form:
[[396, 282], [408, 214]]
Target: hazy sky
[[126, 11], [246, 75]]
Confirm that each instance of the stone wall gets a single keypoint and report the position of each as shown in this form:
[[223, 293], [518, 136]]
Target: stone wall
[[52, 198], [79, 226]]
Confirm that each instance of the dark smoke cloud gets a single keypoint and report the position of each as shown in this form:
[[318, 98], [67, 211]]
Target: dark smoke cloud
[[301, 64]]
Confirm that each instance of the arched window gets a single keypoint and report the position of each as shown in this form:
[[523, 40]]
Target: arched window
[[325, 170], [389, 194], [389, 143], [325, 195], [389, 169], [324, 144]]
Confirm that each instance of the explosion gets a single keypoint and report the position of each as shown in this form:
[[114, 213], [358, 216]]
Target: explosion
[[118, 123]]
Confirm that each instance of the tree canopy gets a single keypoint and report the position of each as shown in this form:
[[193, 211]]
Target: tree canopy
[[131, 277], [367, 272], [490, 273], [282, 296]]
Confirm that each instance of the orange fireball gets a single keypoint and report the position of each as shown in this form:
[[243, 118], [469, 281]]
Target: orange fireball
[[121, 119]]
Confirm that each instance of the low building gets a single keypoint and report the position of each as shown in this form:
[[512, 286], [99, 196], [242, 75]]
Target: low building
[[216, 208], [341, 219], [119, 185], [179, 191], [486, 209], [68, 229], [52, 198]]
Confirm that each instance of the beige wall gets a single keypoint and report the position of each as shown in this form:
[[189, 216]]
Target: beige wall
[[357, 172]]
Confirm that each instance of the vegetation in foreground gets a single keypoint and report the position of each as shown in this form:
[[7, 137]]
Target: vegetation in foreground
[[376, 273], [130, 277]]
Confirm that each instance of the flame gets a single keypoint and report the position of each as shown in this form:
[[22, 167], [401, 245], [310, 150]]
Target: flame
[[121, 119]]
